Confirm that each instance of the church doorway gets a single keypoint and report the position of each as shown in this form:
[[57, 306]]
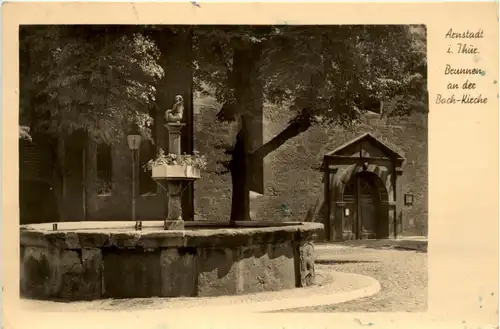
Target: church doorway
[[363, 196], [362, 181]]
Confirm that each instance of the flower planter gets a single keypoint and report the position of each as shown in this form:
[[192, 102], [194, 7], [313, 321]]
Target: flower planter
[[175, 172]]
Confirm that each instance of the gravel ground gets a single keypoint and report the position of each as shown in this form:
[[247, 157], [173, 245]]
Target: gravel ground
[[402, 275]]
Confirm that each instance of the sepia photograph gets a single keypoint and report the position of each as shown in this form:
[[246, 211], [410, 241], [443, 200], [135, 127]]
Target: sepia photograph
[[270, 168]]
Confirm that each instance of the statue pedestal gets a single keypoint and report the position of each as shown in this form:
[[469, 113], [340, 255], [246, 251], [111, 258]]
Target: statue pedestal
[[174, 219], [174, 137]]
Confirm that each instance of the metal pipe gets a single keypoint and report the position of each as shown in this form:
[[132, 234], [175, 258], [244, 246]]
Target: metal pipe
[[84, 178], [133, 185]]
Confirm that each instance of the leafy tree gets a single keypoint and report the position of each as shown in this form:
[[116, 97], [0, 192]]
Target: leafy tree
[[98, 79], [24, 133], [324, 74]]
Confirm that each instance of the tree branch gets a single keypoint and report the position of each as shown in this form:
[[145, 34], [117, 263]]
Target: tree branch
[[297, 126]]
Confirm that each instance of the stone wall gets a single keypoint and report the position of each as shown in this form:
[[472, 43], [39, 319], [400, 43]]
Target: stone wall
[[292, 179], [91, 264]]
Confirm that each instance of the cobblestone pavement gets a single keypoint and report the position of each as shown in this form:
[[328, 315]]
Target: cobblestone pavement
[[402, 275]]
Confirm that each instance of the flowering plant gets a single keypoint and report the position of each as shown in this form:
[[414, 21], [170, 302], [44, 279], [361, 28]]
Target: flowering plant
[[195, 160]]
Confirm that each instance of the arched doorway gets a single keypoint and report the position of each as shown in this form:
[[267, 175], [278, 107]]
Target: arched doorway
[[363, 197], [362, 183]]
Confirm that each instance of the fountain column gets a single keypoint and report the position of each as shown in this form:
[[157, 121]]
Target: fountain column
[[174, 219], [174, 126]]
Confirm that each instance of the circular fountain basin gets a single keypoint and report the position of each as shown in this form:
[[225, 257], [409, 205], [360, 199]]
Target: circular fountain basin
[[96, 260]]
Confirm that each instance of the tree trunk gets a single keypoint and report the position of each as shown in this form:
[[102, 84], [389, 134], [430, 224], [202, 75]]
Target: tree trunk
[[240, 202], [248, 94]]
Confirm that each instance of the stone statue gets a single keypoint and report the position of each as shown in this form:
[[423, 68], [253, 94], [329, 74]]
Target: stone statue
[[307, 259], [175, 113]]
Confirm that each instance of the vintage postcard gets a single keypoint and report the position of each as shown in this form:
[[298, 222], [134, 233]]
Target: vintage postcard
[[281, 165]]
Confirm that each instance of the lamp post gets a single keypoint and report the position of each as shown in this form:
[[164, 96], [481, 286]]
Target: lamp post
[[134, 142]]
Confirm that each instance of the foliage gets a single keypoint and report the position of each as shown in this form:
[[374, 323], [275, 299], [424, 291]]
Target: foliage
[[341, 67], [195, 160], [102, 78], [214, 48], [321, 73], [98, 79], [24, 133]]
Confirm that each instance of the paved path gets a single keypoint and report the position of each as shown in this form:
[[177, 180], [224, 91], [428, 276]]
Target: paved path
[[402, 275]]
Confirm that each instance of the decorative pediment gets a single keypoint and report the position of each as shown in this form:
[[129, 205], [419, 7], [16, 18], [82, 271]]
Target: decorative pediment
[[366, 146]]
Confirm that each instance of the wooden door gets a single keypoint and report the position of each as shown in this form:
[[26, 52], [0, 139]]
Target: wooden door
[[362, 201], [368, 202], [349, 224]]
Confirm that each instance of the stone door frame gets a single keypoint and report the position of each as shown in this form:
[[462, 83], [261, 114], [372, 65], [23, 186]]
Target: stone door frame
[[383, 208], [340, 166]]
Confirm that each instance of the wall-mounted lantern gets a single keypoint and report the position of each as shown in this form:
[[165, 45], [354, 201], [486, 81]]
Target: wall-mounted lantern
[[408, 199], [346, 212]]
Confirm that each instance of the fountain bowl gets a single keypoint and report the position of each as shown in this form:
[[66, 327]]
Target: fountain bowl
[[72, 261], [174, 172]]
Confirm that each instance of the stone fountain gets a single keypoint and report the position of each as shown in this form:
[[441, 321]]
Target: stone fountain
[[94, 260], [174, 177]]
